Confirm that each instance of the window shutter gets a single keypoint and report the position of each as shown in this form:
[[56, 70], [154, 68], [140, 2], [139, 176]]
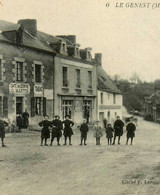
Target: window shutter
[[5, 106], [44, 107], [32, 107]]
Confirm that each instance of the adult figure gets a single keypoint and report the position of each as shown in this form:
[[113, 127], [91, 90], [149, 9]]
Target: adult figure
[[118, 127], [68, 132], [3, 124], [25, 117], [130, 128], [105, 123], [56, 130], [19, 122], [45, 133]]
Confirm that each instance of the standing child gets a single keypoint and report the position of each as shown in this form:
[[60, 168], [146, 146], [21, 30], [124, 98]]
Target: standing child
[[97, 132], [109, 133], [3, 124], [84, 129], [45, 133], [130, 128], [68, 132]]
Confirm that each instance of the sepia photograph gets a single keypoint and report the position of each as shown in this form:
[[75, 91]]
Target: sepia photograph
[[79, 97]]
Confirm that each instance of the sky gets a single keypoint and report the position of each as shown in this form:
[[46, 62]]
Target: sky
[[127, 37]]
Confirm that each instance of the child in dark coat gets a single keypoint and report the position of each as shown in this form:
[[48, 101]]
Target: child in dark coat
[[130, 128], [45, 133], [84, 129], [109, 133]]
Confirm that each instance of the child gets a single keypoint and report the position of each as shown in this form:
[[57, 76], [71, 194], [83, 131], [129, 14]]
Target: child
[[97, 132], [109, 133], [130, 128], [84, 130], [45, 133], [68, 132], [3, 124], [56, 130]]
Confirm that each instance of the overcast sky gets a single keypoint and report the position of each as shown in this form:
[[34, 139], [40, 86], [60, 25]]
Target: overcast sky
[[128, 38]]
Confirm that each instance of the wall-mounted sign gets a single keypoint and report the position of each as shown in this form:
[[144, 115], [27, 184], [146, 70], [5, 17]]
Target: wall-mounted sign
[[19, 88], [38, 89]]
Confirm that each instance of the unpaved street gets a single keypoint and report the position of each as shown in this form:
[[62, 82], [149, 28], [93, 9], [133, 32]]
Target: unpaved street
[[29, 169]]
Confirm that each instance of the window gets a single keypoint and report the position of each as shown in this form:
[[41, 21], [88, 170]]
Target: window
[[87, 109], [114, 98], [37, 73], [38, 106], [63, 46], [89, 55], [78, 78], [67, 108], [65, 80], [19, 71], [90, 79], [76, 51], [101, 98]]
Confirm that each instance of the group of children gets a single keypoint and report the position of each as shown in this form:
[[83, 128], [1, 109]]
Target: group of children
[[111, 133]]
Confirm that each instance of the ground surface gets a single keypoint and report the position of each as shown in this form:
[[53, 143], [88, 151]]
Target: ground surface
[[27, 168]]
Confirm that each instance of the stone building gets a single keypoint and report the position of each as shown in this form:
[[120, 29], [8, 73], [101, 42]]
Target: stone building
[[45, 74], [109, 96]]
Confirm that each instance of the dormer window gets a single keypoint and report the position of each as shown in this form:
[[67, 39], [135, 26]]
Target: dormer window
[[63, 48], [89, 57]]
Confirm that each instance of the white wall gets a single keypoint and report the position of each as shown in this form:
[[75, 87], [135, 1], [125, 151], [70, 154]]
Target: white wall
[[108, 106]]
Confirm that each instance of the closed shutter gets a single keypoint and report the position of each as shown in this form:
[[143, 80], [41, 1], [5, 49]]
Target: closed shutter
[[32, 107], [5, 106], [44, 107]]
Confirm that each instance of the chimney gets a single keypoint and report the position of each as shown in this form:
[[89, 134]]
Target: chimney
[[30, 25], [98, 58]]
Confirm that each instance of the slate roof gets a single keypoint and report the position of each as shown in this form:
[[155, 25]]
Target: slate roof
[[105, 83], [28, 40]]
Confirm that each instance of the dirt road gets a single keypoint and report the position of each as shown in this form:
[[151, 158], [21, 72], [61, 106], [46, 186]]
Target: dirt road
[[29, 169]]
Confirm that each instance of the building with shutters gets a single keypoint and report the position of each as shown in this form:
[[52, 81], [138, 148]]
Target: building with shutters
[[24, 62], [45, 75]]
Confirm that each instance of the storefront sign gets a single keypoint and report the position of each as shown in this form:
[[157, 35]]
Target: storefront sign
[[19, 88], [38, 89]]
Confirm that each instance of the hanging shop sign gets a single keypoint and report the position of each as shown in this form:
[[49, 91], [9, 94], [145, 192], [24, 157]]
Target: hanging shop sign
[[38, 89], [19, 88]]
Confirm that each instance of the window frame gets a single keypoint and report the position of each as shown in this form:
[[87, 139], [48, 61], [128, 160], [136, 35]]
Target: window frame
[[19, 71], [64, 77], [40, 75]]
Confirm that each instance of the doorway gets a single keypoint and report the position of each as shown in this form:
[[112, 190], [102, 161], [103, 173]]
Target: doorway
[[19, 105]]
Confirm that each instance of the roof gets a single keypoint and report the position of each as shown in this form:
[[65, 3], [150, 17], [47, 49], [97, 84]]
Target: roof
[[8, 26], [28, 40], [105, 83]]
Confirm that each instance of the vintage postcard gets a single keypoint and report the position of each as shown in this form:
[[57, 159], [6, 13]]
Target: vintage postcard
[[79, 97]]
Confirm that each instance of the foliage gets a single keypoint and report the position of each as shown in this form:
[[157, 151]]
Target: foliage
[[134, 92]]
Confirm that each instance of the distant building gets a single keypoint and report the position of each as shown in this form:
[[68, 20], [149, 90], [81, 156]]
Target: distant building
[[109, 96], [152, 104]]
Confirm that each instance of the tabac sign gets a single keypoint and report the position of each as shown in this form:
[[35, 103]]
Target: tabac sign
[[38, 89], [19, 88]]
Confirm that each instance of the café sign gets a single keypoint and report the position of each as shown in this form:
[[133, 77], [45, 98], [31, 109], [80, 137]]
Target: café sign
[[38, 89], [19, 88]]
